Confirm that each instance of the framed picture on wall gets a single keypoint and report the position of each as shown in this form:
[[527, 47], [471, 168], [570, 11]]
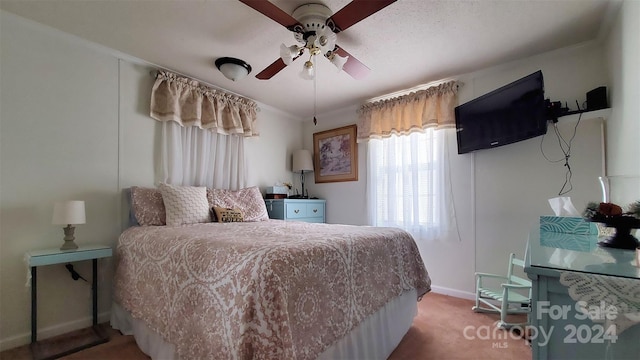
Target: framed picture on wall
[[335, 155]]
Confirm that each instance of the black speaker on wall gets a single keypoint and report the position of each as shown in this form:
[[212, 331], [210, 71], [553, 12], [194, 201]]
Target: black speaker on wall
[[597, 99]]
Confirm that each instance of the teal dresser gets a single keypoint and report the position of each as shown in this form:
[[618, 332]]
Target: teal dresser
[[582, 297], [308, 210]]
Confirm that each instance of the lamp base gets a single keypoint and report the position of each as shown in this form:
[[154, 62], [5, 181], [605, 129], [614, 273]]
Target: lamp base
[[69, 245], [68, 239]]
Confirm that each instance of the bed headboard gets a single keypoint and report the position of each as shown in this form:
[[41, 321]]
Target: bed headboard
[[131, 219]]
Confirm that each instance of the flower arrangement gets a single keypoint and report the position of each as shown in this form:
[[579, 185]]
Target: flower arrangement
[[604, 211]]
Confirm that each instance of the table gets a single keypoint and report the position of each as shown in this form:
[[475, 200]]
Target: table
[[56, 256], [563, 267]]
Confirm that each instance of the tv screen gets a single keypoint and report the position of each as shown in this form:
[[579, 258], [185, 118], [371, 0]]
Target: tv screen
[[512, 113]]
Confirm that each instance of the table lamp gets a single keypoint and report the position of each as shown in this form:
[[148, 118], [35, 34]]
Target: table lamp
[[302, 162], [69, 213]]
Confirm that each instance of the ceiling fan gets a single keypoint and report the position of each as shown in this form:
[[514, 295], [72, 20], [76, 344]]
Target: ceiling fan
[[315, 27]]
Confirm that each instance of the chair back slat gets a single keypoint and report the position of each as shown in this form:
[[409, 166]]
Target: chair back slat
[[513, 261], [519, 280], [518, 262], [510, 268]]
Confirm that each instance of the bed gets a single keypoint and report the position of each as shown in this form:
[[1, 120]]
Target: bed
[[267, 290]]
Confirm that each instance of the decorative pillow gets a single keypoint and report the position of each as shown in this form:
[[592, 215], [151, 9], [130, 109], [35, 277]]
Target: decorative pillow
[[147, 206], [212, 213], [210, 200], [228, 214], [249, 201], [185, 204]]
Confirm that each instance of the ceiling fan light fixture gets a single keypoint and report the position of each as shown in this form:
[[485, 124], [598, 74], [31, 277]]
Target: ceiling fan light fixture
[[315, 27], [338, 61], [232, 68], [308, 71], [288, 53], [326, 40]]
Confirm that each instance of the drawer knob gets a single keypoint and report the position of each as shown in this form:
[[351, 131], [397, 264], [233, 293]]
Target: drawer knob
[[296, 211], [315, 210]]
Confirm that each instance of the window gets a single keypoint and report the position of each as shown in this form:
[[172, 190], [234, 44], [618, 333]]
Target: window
[[408, 183]]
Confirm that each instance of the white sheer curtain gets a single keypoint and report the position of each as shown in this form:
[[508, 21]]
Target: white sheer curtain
[[193, 156], [203, 132], [408, 183]]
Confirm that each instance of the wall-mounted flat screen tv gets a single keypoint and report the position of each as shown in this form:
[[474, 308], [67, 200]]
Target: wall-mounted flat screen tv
[[512, 113]]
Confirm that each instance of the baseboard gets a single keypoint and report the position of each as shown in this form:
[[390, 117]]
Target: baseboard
[[453, 292], [59, 329]]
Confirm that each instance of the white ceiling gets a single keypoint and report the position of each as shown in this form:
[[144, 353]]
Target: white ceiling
[[408, 43]]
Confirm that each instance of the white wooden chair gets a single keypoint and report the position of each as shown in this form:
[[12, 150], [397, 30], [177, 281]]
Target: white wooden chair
[[513, 294]]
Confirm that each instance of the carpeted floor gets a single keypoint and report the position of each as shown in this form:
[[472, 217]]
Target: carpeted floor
[[447, 328], [438, 332]]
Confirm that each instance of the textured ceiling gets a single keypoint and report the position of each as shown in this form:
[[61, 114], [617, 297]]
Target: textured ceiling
[[410, 42]]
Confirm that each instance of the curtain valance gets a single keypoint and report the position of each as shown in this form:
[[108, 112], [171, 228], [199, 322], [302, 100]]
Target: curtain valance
[[189, 103], [414, 112]]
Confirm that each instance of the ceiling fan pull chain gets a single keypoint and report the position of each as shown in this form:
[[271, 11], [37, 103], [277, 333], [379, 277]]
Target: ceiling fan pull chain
[[315, 93]]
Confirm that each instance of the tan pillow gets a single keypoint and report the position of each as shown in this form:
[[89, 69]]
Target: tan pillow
[[185, 204], [249, 201], [228, 215]]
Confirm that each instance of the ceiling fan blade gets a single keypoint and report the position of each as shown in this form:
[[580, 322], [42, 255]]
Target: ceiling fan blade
[[355, 11], [274, 13], [271, 70], [353, 66]]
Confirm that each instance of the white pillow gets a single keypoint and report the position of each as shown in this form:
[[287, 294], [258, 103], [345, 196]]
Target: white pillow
[[185, 204]]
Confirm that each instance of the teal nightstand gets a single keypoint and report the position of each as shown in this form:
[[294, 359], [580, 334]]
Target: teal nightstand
[[308, 210], [57, 256]]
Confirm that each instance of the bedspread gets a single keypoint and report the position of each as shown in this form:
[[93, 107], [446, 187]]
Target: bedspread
[[263, 290]]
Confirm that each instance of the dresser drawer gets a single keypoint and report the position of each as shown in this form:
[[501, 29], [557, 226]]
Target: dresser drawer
[[296, 211], [315, 210]]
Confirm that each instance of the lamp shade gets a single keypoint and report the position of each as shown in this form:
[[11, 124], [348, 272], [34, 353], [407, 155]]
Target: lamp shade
[[308, 71], [68, 213], [302, 161], [288, 53], [339, 61]]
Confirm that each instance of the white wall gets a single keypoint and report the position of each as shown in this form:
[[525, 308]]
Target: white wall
[[499, 192], [623, 128], [513, 182], [269, 155], [351, 207], [59, 141], [74, 125]]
